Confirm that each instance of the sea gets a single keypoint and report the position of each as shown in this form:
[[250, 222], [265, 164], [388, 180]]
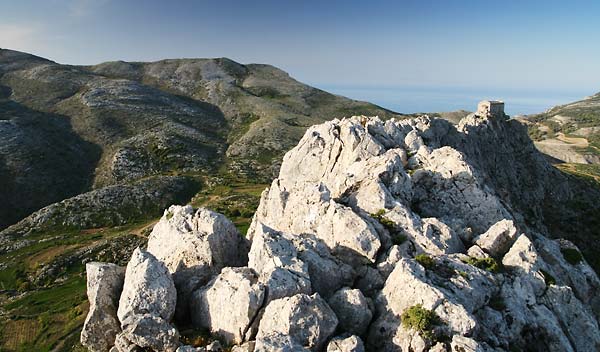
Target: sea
[[439, 99]]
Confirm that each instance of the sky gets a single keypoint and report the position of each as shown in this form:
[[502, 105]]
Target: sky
[[532, 46]]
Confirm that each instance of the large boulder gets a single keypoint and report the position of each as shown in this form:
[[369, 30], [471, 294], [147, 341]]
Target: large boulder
[[451, 289], [274, 257], [307, 321], [309, 208], [352, 309], [228, 304], [147, 303], [194, 246], [327, 273], [101, 326], [496, 241]]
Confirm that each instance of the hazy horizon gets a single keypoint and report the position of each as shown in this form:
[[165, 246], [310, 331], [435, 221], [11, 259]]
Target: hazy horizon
[[533, 47]]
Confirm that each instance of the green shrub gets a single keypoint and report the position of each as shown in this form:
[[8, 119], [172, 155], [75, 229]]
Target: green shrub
[[490, 264], [419, 319], [463, 274], [548, 278], [387, 223], [426, 261], [571, 255]]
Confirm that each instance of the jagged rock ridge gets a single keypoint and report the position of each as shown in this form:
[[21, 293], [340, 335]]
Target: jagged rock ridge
[[383, 236]]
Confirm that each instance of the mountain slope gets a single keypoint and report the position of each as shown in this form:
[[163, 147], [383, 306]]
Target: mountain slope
[[570, 132], [85, 127]]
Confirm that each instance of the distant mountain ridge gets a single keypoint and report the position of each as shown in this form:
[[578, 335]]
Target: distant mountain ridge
[[69, 129]]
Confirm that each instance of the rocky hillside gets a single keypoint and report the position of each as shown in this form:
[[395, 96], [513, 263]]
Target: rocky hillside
[[413, 235], [66, 130], [569, 133]]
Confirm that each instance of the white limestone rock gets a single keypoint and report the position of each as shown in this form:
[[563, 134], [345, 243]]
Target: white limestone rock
[[309, 208], [195, 245], [150, 331], [101, 326], [352, 309], [278, 342], [275, 259], [327, 273], [147, 303], [442, 289], [346, 344], [228, 304], [245, 347], [496, 241], [448, 187], [307, 320]]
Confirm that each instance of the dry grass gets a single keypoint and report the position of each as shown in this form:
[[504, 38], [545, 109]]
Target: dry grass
[[18, 332]]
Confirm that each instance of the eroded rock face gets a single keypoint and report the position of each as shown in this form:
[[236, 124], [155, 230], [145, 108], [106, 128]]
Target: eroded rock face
[[274, 257], [398, 232], [104, 285], [346, 344], [496, 241], [147, 303], [305, 320], [352, 309], [229, 303], [195, 245]]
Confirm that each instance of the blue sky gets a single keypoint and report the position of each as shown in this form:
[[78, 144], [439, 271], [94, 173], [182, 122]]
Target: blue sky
[[527, 45]]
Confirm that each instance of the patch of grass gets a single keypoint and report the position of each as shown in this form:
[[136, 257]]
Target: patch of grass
[[490, 264], [571, 255], [58, 299], [587, 172], [387, 223], [234, 198], [420, 319], [426, 261], [463, 274], [535, 133]]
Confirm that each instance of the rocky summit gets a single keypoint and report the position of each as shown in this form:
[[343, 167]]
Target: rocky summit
[[398, 235]]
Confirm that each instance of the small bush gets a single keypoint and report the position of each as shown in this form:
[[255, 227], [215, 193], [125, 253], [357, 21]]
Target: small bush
[[426, 261], [548, 278], [419, 319], [571, 255], [387, 223], [463, 274], [490, 264]]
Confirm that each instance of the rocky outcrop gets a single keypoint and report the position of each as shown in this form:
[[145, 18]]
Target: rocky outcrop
[[228, 305], [352, 309], [101, 326], [392, 233], [147, 304], [496, 241], [303, 320], [195, 245], [274, 257]]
